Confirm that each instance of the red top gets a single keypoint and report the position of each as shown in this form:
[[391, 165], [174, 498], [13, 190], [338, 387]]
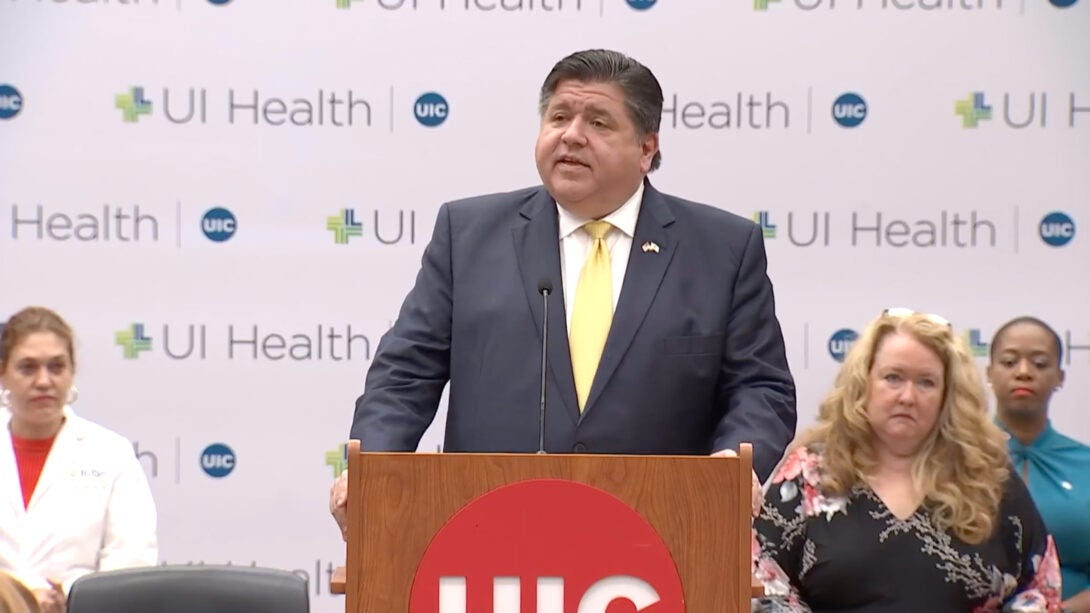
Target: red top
[[30, 457]]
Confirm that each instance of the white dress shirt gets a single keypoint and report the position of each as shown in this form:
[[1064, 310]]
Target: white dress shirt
[[575, 246]]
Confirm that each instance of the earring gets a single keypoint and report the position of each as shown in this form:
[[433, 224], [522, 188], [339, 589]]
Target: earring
[[73, 394], [5, 398]]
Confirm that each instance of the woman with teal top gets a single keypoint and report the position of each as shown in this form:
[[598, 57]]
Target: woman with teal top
[[1023, 372]]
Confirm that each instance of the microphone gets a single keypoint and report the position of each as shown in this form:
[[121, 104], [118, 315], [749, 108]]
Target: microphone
[[544, 287]]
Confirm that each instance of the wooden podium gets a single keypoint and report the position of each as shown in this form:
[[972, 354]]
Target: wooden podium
[[699, 507]]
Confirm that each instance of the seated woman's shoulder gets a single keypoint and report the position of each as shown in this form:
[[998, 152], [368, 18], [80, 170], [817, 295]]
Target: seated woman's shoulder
[[102, 439]]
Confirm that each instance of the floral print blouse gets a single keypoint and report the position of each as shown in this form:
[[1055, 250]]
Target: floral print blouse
[[851, 553]]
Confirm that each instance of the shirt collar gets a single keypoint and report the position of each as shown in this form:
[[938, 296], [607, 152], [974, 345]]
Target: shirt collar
[[624, 218], [1043, 439]]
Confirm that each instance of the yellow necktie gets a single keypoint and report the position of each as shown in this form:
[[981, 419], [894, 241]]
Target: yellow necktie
[[592, 313]]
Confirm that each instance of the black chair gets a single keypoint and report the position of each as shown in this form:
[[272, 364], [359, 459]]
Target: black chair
[[190, 589]]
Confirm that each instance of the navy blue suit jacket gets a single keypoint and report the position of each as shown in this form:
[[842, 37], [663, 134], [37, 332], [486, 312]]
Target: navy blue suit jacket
[[694, 361]]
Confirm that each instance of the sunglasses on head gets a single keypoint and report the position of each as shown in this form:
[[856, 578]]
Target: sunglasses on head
[[906, 312]]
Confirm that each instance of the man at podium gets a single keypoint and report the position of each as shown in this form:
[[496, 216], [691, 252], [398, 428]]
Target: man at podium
[[662, 336]]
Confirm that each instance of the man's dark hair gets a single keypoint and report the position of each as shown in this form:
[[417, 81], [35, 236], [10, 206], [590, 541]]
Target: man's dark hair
[[642, 93]]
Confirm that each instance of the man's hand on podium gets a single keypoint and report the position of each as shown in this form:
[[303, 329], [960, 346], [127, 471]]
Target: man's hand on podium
[[758, 496], [338, 502]]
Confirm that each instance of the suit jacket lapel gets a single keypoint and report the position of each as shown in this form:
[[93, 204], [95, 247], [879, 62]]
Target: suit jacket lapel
[[537, 248], [641, 282]]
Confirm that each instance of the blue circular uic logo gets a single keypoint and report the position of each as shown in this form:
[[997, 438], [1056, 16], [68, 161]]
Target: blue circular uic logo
[[849, 110], [1063, 3], [218, 2], [641, 5], [219, 224], [1057, 229], [11, 101], [840, 343], [217, 460], [431, 109]]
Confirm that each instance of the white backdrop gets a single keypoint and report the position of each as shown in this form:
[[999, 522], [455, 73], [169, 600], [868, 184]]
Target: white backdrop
[[958, 209]]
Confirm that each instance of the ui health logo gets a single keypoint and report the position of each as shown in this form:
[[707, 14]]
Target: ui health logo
[[348, 223], [895, 6], [11, 101], [199, 105], [946, 229], [219, 224], [768, 229], [337, 459], [1025, 110], [431, 109], [217, 460], [344, 226], [484, 6], [849, 110], [132, 341], [973, 110], [1057, 229], [840, 343], [977, 345], [578, 531], [132, 104]]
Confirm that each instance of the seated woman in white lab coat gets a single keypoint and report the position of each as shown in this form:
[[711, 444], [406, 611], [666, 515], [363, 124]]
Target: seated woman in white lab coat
[[73, 497]]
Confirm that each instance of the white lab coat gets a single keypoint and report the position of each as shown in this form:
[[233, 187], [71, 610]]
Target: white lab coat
[[91, 510]]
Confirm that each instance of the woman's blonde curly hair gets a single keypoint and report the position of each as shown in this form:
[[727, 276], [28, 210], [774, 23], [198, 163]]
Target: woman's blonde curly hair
[[961, 467]]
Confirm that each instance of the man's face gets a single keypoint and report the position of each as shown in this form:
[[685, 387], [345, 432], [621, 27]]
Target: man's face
[[589, 154]]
